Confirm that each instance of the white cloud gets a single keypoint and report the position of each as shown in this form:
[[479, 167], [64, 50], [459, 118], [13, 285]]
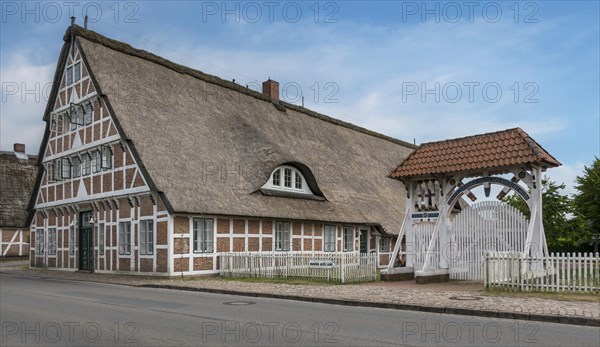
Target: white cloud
[[25, 88], [567, 173]]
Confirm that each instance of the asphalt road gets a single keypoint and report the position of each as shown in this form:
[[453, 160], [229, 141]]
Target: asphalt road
[[55, 312]]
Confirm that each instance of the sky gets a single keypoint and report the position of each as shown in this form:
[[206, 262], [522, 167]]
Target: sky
[[419, 71]]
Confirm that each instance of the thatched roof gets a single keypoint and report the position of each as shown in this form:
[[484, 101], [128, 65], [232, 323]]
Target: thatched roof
[[17, 179], [209, 145]]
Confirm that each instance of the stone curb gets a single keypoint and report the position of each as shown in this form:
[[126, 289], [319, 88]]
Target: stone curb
[[583, 321], [388, 305]]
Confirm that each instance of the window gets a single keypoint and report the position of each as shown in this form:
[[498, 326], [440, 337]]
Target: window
[[384, 244], [39, 242], [77, 72], [76, 167], [277, 177], [87, 164], [56, 123], [88, 114], [146, 237], [73, 119], [66, 168], [287, 177], [57, 170], [50, 171], [76, 114], [348, 239], [204, 235], [96, 161], [106, 157], [298, 180], [69, 76], [293, 180], [101, 238], [282, 236], [72, 240], [329, 236], [124, 238], [60, 122], [52, 241]]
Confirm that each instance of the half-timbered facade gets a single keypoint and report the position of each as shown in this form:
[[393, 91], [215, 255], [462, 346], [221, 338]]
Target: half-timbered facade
[[150, 167]]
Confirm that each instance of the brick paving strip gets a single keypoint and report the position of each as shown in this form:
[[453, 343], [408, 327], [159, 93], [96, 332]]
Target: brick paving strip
[[426, 300]]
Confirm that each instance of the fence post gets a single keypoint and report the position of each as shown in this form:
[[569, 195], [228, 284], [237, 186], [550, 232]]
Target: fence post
[[342, 268], [520, 272], [485, 269]]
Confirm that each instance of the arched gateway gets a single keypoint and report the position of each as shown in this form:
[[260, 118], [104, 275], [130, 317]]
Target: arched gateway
[[445, 237]]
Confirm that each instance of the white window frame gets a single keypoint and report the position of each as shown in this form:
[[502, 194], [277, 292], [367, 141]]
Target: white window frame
[[348, 239], [51, 241], [40, 240], [101, 238], [58, 171], [77, 71], [88, 114], [283, 236], [277, 180], [72, 239], [86, 167], [50, 171], [203, 237], [124, 238], [69, 75], [329, 238], [107, 156], [76, 166], [96, 162], [66, 168], [146, 227], [385, 244]]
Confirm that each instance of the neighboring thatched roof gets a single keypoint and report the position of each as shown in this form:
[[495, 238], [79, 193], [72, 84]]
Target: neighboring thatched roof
[[209, 145], [17, 179]]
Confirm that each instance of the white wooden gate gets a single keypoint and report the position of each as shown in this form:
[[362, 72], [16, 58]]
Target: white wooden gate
[[487, 226], [422, 237]]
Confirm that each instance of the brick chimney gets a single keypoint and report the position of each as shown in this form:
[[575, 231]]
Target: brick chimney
[[19, 147], [270, 88]]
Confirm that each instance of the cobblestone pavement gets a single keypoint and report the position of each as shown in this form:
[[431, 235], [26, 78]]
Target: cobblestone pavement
[[384, 295]]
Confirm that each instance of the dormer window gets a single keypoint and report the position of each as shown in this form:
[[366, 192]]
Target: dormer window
[[289, 179]]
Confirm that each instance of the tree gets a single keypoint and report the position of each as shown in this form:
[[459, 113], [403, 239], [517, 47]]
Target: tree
[[558, 214], [587, 199]]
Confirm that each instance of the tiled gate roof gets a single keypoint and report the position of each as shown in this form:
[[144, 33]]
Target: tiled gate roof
[[492, 151]]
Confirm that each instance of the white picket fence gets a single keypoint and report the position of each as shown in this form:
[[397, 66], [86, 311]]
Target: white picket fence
[[327, 266], [562, 272]]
